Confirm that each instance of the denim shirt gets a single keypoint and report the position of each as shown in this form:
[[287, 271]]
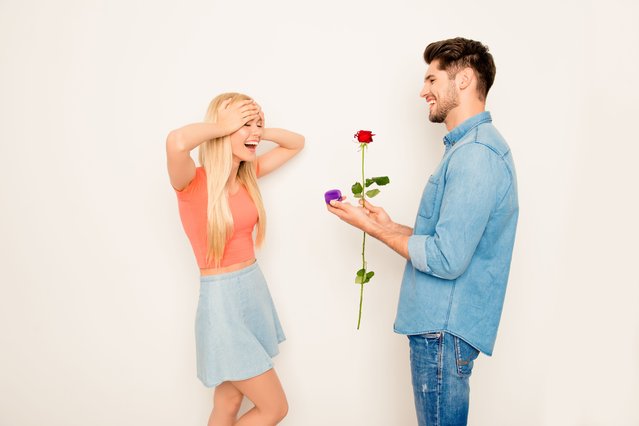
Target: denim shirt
[[463, 238]]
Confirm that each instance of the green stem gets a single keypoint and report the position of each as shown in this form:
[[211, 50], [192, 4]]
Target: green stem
[[361, 297], [361, 290]]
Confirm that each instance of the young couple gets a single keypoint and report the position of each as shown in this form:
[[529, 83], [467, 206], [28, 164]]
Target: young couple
[[458, 253]]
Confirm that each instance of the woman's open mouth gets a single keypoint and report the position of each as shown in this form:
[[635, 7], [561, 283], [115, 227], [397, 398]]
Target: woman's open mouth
[[251, 145]]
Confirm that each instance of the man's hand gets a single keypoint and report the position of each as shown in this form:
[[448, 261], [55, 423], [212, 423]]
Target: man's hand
[[377, 214], [374, 221], [355, 216]]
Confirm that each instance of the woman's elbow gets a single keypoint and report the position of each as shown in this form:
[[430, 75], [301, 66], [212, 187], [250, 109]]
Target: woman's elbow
[[174, 141]]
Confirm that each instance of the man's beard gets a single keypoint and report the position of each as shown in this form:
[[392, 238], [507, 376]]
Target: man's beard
[[445, 104]]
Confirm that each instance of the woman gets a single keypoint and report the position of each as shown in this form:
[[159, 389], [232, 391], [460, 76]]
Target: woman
[[237, 328]]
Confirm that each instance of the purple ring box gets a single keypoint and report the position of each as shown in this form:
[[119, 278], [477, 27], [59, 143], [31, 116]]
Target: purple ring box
[[332, 194]]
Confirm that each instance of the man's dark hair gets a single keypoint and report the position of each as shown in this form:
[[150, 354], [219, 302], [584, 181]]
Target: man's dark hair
[[458, 53]]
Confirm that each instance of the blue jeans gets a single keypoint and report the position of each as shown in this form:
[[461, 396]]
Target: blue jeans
[[441, 365]]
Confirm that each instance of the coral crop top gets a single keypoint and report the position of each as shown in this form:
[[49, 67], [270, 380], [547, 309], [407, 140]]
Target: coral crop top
[[192, 203]]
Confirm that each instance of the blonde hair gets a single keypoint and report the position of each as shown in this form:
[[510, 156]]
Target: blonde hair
[[216, 156]]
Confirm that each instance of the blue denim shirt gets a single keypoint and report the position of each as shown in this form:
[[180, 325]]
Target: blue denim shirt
[[463, 238]]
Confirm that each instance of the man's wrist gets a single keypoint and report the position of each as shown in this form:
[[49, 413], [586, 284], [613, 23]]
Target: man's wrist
[[394, 227], [400, 229], [378, 231], [373, 229], [395, 239]]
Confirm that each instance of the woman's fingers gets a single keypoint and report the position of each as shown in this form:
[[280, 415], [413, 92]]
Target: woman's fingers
[[246, 110], [249, 117], [225, 104], [245, 103], [250, 110]]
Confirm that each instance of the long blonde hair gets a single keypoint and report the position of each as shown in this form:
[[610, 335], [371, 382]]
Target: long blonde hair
[[216, 156]]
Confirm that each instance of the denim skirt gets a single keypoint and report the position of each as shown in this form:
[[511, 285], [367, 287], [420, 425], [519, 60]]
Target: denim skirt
[[237, 330]]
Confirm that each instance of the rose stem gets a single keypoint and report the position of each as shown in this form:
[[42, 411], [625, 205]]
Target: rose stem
[[361, 289]]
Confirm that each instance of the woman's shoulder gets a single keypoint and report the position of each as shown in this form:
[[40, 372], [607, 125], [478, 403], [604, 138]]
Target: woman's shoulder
[[195, 184]]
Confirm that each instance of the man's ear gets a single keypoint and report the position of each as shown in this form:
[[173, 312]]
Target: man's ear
[[465, 77]]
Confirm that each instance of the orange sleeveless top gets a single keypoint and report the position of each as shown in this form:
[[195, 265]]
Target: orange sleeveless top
[[192, 203]]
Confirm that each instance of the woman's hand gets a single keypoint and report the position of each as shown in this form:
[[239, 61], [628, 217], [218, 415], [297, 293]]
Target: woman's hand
[[231, 117], [290, 144]]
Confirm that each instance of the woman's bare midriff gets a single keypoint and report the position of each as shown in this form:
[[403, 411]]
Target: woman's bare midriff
[[225, 269]]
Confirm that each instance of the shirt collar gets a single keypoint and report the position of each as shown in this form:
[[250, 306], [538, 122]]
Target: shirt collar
[[460, 131]]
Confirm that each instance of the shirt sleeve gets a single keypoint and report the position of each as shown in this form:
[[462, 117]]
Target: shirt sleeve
[[471, 192], [186, 192]]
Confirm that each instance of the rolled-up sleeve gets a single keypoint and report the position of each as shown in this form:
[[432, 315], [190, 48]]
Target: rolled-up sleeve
[[471, 191], [417, 252]]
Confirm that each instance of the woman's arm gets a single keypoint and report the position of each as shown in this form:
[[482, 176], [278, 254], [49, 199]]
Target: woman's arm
[[180, 142], [290, 143]]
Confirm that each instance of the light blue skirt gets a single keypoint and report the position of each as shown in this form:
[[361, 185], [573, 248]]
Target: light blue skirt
[[237, 330]]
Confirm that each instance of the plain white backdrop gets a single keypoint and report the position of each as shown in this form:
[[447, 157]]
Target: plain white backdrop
[[98, 281]]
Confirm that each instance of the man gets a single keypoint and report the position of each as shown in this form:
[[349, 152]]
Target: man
[[460, 249]]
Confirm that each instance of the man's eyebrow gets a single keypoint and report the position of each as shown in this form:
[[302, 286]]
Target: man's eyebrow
[[429, 76]]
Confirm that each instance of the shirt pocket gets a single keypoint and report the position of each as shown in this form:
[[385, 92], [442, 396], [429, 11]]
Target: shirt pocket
[[429, 197]]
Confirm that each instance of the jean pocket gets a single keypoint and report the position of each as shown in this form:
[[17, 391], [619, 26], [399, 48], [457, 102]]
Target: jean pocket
[[465, 356], [432, 336]]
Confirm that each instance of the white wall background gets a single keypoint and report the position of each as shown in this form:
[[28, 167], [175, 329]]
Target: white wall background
[[98, 282]]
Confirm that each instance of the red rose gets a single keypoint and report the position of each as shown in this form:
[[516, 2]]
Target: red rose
[[364, 136]]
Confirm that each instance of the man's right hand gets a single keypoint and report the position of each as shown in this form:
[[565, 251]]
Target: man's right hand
[[378, 214], [381, 218]]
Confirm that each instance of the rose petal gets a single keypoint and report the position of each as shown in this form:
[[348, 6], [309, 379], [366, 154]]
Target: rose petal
[[364, 136]]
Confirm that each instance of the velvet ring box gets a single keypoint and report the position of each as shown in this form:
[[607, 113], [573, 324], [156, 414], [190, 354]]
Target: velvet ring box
[[332, 194]]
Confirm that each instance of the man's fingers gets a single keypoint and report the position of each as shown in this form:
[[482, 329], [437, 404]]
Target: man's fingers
[[336, 205], [369, 206], [341, 204], [337, 212]]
